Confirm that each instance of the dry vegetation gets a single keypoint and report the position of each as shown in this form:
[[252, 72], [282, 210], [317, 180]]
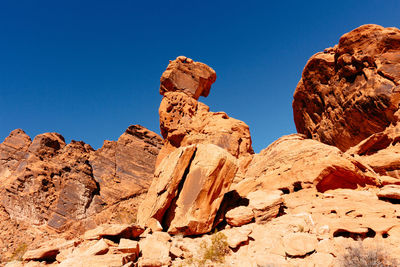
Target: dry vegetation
[[361, 256]]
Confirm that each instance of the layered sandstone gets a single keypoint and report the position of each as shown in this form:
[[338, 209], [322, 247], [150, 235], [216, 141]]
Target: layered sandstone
[[293, 162], [188, 188], [185, 121], [72, 187], [350, 91]]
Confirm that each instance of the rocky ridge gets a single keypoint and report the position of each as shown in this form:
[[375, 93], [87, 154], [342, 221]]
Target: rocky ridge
[[51, 187], [302, 201]]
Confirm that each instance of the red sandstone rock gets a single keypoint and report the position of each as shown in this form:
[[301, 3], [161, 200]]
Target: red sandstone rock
[[265, 204], [185, 121], [381, 151], [72, 187], [239, 216], [185, 75], [390, 192], [114, 230], [188, 189], [351, 91], [299, 244], [293, 162]]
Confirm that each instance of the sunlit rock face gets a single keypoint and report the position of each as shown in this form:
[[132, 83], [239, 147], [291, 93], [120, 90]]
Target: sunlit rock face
[[350, 91]]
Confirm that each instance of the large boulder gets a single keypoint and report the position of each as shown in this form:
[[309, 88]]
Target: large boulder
[[185, 75], [185, 121], [294, 162], [188, 188], [350, 91]]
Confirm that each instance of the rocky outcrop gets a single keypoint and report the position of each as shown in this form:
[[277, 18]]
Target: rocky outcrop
[[48, 182], [381, 151], [294, 162], [124, 168], [185, 121], [185, 75], [350, 91], [188, 188]]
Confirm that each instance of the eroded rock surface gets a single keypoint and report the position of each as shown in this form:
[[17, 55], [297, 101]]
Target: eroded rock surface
[[185, 75], [72, 187], [188, 188], [294, 162], [381, 151], [350, 91], [185, 121]]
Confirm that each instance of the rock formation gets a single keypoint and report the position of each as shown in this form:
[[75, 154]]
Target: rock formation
[[350, 91], [188, 189], [185, 121], [299, 202], [48, 182], [381, 151], [294, 162]]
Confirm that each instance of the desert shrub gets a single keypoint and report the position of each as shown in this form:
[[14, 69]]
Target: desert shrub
[[19, 252], [359, 256], [210, 252], [218, 249]]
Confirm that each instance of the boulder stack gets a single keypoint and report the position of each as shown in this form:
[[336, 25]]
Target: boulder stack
[[185, 121]]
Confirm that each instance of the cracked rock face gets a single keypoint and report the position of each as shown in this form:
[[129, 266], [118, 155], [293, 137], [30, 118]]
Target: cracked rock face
[[185, 121], [188, 188], [49, 182], [350, 91]]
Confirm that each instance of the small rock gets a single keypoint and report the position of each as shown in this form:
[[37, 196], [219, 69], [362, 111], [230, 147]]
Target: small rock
[[100, 248], [239, 216], [265, 204], [98, 260], [390, 192], [128, 246], [154, 251], [176, 252], [299, 244], [236, 236], [121, 230]]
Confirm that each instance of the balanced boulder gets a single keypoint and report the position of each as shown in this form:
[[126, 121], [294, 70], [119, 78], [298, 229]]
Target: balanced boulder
[[185, 121]]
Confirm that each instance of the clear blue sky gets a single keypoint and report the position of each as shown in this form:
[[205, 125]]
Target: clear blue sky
[[89, 69]]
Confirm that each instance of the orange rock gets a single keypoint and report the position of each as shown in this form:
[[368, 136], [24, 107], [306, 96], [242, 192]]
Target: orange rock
[[390, 192], [185, 121], [155, 252], [185, 75], [188, 189], [115, 230], [350, 91], [100, 248], [125, 167], [293, 162], [381, 151], [99, 260], [299, 244], [239, 216], [236, 236], [265, 204], [71, 187]]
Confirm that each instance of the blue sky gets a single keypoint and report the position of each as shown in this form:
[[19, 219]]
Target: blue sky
[[89, 69]]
